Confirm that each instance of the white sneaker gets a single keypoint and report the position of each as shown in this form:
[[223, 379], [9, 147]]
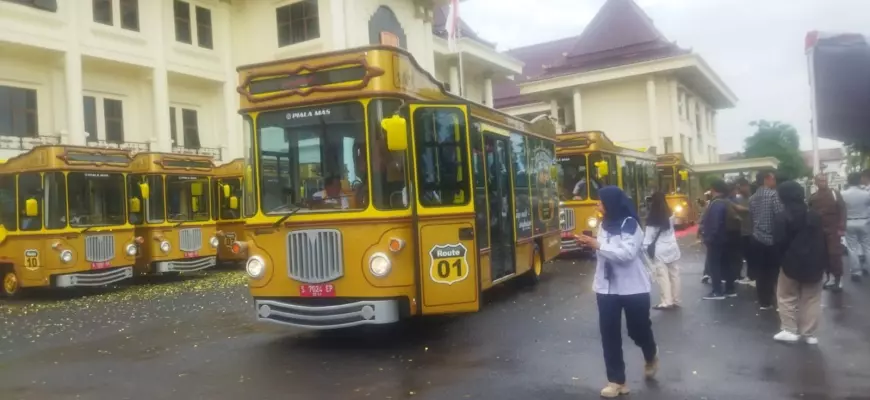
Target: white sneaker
[[786, 337], [811, 340]]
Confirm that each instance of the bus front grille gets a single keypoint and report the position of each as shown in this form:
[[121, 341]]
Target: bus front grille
[[315, 255], [190, 239], [566, 219], [100, 248]]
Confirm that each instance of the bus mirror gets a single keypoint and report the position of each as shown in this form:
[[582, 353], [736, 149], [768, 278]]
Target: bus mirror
[[227, 191], [234, 203], [145, 190], [194, 204], [196, 189], [602, 168], [684, 175], [2, 233], [135, 205], [554, 173], [31, 207], [396, 128]]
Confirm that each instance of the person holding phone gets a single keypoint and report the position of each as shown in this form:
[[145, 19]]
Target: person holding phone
[[621, 283]]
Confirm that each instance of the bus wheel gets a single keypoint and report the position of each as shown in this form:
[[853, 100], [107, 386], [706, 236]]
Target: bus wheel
[[534, 274], [11, 285]]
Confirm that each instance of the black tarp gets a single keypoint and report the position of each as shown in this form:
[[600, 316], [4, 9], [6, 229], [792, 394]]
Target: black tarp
[[840, 68]]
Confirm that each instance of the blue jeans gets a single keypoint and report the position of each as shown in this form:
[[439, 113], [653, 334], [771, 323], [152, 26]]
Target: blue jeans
[[636, 307]]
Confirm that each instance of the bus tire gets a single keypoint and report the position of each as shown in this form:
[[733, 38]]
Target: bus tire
[[534, 275], [10, 285]]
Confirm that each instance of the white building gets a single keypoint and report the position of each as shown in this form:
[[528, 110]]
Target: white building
[[623, 77], [160, 74]]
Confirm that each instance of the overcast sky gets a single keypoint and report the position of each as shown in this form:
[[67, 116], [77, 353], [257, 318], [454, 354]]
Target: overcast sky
[[756, 46]]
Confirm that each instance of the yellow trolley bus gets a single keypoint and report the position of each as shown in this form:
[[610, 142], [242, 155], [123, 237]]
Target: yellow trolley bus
[[380, 196], [587, 162], [227, 195], [681, 187], [62, 219], [170, 207]]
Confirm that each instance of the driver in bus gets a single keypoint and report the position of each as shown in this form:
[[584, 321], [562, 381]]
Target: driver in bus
[[331, 193]]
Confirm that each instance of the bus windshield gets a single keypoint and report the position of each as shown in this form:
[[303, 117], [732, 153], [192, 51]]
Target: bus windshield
[[96, 199], [313, 159], [666, 180], [187, 198], [573, 178]]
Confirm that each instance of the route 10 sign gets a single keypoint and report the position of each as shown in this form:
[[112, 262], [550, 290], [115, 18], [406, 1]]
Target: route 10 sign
[[449, 263]]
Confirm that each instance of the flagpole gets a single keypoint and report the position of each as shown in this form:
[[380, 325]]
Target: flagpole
[[459, 49]]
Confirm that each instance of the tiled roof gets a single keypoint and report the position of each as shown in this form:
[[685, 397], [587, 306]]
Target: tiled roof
[[620, 34], [439, 27], [825, 155]]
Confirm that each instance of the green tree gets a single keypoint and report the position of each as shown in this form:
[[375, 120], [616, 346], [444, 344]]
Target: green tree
[[779, 140]]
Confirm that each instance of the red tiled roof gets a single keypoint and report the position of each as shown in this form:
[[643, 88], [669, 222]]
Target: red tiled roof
[[620, 34]]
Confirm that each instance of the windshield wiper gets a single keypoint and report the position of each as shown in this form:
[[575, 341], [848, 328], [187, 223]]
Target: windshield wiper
[[179, 224], [87, 228], [286, 216]]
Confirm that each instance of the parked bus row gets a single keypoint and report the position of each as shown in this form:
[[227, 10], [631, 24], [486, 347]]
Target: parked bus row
[[85, 217]]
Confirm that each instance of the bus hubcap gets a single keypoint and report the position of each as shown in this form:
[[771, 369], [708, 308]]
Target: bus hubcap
[[10, 283]]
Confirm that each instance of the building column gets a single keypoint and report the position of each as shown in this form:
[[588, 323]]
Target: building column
[[75, 112], [233, 143], [338, 20], [652, 109], [487, 92], [675, 117], [160, 86], [577, 101], [454, 79]]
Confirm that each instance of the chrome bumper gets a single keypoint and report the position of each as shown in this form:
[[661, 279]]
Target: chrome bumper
[[186, 266], [82, 279], [328, 317]]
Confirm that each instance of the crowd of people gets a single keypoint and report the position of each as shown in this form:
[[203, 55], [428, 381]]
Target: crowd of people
[[766, 234]]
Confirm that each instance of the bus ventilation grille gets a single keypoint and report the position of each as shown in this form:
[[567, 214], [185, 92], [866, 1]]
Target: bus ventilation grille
[[315, 255]]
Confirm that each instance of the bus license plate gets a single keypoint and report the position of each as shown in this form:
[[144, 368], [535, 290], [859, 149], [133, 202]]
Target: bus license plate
[[325, 290], [191, 254], [101, 265]]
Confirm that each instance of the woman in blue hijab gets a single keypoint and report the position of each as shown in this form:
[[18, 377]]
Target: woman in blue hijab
[[622, 283]]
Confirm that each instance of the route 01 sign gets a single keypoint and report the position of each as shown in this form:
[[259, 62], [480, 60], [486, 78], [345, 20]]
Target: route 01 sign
[[449, 263]]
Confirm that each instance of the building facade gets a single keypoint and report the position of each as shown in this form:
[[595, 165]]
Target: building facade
[[161, 74], [623, 77]]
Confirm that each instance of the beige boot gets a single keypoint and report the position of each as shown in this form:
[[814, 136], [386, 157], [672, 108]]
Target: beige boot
[[613, 390], [650, 368]]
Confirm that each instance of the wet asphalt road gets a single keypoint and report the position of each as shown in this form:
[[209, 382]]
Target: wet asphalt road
[[195, 339]]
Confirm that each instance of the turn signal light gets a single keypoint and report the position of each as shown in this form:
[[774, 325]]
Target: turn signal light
[[139, 240], [219, 233], [396, 244], [238, 247]]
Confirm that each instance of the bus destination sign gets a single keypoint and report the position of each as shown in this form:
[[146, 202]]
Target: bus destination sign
[[302, 81]]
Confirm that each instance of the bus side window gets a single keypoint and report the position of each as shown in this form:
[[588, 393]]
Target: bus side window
[[8, 207], [30, 187]]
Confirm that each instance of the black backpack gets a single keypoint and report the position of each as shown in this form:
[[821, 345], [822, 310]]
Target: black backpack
[[805, 256]]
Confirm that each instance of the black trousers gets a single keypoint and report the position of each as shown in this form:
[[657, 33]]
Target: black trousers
[[765, 263], [636, 307], [720, 263]]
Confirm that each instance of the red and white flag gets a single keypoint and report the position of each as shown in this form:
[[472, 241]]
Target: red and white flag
[[452, 25]]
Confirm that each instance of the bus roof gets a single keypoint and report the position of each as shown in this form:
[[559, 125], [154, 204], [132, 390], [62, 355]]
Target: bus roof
[[587, 141], [68, 158], [230, 169], [172, 163], [672, 159], [362, 72]]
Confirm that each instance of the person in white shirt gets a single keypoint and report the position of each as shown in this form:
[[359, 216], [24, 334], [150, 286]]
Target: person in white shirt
[[660, 243], [857, 230], [331, 193]]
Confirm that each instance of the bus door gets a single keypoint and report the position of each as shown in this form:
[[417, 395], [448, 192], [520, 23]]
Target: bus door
[[500, 200], [449, 278]]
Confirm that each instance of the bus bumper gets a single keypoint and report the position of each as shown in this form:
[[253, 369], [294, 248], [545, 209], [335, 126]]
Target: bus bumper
[[366, 312], [186, 265], [571, 245], [91, 279]]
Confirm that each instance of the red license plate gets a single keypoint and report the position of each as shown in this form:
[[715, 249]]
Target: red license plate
[[325, 290], [101, 265], [191, 254]]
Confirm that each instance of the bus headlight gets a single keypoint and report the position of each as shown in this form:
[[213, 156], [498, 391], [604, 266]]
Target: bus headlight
[[255, 267], [380, 265], [214, 242], [131, 249], [678, 209], [165, 246], [592, 222], [66, 256]]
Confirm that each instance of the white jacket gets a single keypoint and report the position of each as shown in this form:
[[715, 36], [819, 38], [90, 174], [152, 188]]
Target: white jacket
[[667, 249]]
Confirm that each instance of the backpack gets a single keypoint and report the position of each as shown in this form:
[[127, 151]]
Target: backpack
[[733, 222], [805, 258]]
